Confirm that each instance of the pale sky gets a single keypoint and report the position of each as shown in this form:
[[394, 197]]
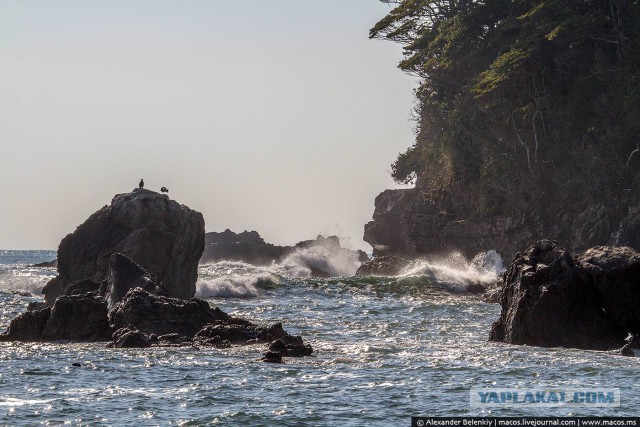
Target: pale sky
[[279, 116]]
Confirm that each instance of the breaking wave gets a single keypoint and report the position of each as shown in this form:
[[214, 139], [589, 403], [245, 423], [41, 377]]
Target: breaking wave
[[25, 279], [230, 279], [320, 261], [456, 271]]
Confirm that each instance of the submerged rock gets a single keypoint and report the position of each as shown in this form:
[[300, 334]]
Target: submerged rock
[[549, 301], [46, 264], [129, 338], [383, 266], [161, 235]]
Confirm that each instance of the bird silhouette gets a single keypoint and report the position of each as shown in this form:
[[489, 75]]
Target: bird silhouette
[[164, 190], [141, 184]]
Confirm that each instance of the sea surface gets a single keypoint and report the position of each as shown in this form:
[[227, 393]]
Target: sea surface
[[384, 349]]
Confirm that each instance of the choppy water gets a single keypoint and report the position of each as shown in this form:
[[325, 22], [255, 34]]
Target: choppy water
[[385, 349]]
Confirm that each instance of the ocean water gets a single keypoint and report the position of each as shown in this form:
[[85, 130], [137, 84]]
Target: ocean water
[[385, 349]]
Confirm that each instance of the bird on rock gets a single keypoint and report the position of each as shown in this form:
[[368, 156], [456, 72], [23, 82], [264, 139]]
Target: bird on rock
[[164, 190], [141, 184]]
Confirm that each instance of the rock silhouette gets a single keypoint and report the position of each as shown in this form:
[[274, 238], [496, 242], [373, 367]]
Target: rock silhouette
[[159, 234]]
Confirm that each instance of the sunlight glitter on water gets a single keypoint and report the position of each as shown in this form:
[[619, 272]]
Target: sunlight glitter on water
[[385, 349]]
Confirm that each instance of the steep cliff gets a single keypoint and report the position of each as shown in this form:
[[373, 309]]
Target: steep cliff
[[527, 127], [406, 221]]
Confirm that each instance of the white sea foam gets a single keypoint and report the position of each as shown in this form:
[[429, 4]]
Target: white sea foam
[[457, 271], [325, 260], [230, 279], [12, 401], [227, 287], [25, 279]]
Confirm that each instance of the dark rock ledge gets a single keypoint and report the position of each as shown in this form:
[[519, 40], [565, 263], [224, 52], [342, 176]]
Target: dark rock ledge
[[142, 319], [551, 299]]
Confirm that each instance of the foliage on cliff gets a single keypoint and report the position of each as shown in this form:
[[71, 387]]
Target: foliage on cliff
[[521, 98]]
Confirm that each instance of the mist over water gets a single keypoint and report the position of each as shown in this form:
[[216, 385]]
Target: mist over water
[[385, 348]]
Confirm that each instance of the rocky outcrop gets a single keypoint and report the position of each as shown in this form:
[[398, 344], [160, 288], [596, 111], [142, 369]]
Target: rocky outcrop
[[142, 319], [250, 247], [247, 247], [28, 326], [72, 318], [161, 235], [548, 299], [78, 318], [409, 221], [158, 315]]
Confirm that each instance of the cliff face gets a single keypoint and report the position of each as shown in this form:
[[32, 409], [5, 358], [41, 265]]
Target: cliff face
[[406, 221]]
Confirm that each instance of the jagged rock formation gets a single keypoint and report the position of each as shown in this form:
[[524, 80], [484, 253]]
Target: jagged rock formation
[[141, 319], [409, 222], [550, 299], [161, 235], [72, 317], [125, 275], [158, 315]]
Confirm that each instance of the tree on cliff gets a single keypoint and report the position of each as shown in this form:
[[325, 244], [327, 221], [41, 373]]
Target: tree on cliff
[[520, 98]]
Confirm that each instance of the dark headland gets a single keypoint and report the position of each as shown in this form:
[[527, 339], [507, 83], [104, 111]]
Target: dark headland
[[527, 133]]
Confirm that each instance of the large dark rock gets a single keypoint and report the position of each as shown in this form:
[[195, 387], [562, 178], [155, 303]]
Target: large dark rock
[[549, 301], [615, 273], [152, 314], [142, 319], [161, 235]]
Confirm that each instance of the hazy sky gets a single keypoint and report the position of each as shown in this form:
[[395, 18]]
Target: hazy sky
[[279, 116]]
